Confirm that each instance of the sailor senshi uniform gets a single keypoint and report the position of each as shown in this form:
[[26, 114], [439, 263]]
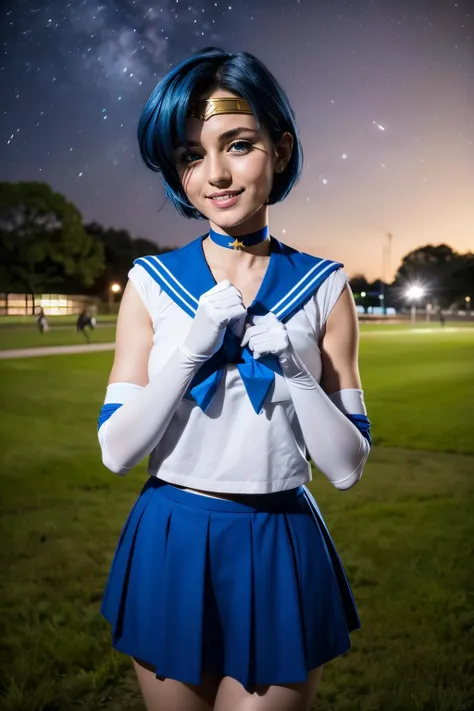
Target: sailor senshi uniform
[[253, 588], [290, 280]]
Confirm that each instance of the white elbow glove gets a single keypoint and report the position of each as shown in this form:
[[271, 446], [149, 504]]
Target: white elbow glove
[[132, 429], [134, 418], [330, 425]]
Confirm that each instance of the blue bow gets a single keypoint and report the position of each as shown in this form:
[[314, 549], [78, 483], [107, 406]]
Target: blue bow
[[291, 279], [257, 375]]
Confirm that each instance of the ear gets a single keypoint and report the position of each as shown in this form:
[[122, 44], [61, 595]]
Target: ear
[[283, 151]]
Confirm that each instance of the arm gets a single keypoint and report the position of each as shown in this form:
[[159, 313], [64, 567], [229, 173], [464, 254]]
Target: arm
[[335, 444], [136, 412], [143, 410]]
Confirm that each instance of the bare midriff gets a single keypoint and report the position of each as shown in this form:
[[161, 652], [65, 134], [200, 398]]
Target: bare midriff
[[228, 497]]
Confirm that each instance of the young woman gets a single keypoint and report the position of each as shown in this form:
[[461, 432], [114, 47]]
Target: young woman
[[236, 358]]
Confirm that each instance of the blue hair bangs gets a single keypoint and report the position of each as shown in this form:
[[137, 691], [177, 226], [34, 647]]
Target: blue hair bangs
[[163, 122]]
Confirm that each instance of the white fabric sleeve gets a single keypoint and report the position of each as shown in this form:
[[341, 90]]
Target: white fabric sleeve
[[350, 401], [327, 296], [150, 292], [135, 428], [120, 393], [334, 443], [146, 287]]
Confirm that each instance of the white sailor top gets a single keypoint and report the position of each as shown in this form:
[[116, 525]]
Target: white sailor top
[[222, 437]]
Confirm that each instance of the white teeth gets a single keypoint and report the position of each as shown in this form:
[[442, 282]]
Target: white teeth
[[224, 197]]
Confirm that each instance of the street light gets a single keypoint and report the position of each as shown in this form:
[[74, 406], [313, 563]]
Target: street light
[[413, 294], [386, 270], [113, 289]]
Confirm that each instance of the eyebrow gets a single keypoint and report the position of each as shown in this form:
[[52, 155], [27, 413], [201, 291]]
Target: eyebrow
[[224, 136]]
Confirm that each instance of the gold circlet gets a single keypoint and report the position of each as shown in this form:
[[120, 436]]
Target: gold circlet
[[206, 108]]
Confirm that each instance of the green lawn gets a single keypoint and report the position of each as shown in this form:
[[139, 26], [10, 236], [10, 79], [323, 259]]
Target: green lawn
[[22, 332], [30, 321], [404, 533], [419, 388], [63, 336]]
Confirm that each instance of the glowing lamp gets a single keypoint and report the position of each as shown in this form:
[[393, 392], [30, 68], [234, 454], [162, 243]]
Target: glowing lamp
[[415, 292]]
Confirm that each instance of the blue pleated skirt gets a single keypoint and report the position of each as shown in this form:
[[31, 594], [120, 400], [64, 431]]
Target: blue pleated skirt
[[253, 590]]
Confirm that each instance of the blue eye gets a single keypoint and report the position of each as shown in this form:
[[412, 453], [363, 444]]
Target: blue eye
[[246, 144], [184, 157], [245, 148]]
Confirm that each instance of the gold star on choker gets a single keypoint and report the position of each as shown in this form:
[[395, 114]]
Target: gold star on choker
[[236, 244]]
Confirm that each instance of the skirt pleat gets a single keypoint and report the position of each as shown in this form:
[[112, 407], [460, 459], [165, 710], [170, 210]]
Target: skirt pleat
[[277, 620], [115, 595], [141, 623], [345, 590], [253, 590], [179, 647], [231, 606], [325, 623]]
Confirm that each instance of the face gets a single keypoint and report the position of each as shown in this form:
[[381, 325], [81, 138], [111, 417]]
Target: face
[[228, 154]]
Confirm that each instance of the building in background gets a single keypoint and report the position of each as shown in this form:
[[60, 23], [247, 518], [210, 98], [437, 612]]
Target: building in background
[[52, 304]]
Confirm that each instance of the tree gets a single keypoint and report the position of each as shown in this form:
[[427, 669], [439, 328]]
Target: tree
[[42, 241], [443, 273], [461, 283], [120, 250], [358, 284], [142, 247], [372, 291]]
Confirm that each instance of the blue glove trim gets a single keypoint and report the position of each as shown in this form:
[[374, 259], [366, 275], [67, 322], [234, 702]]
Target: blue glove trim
[[106, 412], [362, 423]]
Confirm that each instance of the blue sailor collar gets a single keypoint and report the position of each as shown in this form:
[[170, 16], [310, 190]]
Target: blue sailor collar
[[291, 279]]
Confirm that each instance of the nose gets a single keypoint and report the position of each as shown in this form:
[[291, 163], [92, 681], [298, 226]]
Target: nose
[[218, 170]]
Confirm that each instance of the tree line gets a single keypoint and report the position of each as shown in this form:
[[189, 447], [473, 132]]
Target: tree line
[[46, 248]]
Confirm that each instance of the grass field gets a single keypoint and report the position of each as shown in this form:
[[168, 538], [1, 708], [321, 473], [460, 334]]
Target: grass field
[[405, 534], [22, 332], [60, 335]]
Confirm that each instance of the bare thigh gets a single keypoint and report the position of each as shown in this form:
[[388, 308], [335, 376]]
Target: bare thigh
[[162, 694], [287, 697]]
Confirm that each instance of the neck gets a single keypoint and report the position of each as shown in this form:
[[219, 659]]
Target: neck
[[241, 244], [256, 222], [245, 257]]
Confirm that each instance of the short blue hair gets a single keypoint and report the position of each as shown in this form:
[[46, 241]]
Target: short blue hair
[[163, 120]]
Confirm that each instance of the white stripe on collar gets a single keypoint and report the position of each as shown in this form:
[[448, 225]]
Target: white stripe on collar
[[149, 262], [322, 267]]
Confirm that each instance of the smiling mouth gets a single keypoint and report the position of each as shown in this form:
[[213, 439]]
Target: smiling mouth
[[227, 196]]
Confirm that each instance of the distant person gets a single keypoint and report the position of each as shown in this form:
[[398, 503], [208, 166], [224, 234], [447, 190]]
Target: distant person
[[84, 321], [42, 321], [439, 311]]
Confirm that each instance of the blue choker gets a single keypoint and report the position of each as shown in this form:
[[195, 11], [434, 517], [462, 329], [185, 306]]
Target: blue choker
[[239, 242]]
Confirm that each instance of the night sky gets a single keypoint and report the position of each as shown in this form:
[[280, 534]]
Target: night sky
[[383, 92]]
